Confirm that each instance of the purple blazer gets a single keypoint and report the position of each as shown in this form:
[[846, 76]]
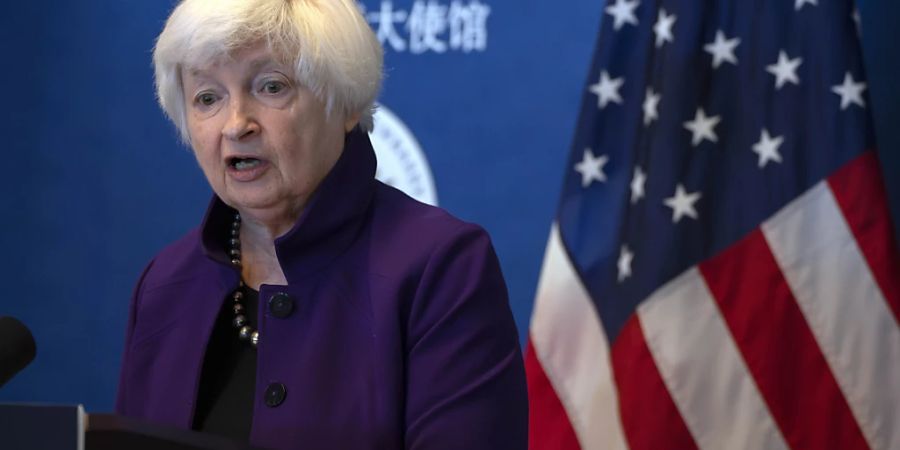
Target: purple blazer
[[401, 334]]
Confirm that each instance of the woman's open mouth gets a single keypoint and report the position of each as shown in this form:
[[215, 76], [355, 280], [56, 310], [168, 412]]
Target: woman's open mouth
[[246, 168], [244, 163]]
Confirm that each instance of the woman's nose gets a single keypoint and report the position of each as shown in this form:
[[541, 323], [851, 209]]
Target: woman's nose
[[241, 122]]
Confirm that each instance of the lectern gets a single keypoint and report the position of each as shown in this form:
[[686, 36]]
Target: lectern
[[29, 426]]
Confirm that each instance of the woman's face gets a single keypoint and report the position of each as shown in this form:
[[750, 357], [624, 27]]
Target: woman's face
[[263, 141]]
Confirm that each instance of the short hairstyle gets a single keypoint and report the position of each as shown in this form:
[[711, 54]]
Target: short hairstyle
[[332, 49]]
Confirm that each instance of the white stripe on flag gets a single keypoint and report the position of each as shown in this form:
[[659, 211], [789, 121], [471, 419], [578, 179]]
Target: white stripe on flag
[[569, 341], [702, 368], [844, 307]]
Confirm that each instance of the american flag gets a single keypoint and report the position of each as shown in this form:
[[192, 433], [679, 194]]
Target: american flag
[[722, 272]]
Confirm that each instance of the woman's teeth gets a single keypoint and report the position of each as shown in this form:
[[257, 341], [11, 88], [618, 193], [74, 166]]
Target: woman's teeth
[[245, 164]]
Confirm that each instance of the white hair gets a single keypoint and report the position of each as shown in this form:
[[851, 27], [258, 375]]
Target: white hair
[[332, 49]]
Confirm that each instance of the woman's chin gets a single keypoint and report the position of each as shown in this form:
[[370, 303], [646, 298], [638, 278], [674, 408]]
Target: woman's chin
[[262, 205], [245, 200], [254, 195]]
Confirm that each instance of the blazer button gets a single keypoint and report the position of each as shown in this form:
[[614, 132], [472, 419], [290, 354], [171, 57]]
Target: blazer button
[[275, 394], [281, 305]]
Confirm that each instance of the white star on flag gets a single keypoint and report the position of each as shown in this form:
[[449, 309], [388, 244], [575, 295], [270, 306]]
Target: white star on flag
[[651, 106], [799, 3], [682, 203], [722, 49], [850, 92], [785, 70], [623, 12], [663, 28], [637, 184], [767, 148], [702, 127], [591, 168], [624, 263], [607, 89]]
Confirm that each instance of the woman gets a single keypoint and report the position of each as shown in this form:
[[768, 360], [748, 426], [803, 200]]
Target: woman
[[314, 306]]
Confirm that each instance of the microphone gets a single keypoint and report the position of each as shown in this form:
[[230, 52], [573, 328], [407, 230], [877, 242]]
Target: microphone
[[17, 348]]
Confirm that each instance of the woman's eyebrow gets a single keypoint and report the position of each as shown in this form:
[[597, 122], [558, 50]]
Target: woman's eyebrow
[[262, 63], [198, 75]]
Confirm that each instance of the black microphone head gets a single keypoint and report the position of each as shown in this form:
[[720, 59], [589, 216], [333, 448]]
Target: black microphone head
[[17, 348]]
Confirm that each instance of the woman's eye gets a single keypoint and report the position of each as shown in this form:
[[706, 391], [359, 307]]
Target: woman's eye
[[206, 99], [273, 87]]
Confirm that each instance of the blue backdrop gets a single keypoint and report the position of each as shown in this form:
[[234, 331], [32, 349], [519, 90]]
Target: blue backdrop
[[96, 182]]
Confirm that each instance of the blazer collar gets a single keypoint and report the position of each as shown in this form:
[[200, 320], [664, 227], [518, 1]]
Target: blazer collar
[[327, 225]]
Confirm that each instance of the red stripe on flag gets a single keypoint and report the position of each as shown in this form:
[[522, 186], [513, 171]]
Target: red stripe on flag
[[859, 191], [779, 348], [548, 423], [649, 416]]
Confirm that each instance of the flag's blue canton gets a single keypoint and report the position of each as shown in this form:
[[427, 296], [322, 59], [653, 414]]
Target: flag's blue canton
[[707, 99]]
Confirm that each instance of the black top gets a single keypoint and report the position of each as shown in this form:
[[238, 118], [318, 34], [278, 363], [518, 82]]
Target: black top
[[226, 395]]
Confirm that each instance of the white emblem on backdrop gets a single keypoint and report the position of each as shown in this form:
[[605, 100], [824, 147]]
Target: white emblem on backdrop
[[431, 26], [401, 161]]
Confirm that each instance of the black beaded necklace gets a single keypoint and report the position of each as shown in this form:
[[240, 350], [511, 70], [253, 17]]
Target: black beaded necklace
[[245, 331]]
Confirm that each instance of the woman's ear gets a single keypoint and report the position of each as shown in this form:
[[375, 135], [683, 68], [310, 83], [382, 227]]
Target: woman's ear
[[351, 122]]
